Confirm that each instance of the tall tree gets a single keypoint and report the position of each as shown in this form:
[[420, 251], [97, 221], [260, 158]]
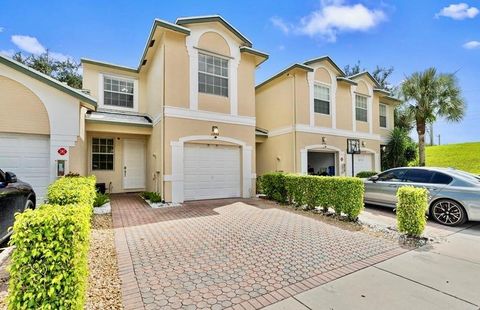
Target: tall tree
[[382, 74], [353, 69], [65, 71], [429, 95], [400, 149]]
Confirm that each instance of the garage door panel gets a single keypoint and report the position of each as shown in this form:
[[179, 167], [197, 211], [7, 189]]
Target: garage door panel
[[211, 171], [28, 157], [363, 162]]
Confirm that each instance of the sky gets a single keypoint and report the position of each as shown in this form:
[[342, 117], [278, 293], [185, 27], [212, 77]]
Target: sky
[[408, 35]]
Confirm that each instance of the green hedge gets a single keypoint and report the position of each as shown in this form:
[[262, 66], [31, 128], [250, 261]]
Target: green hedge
[[273, 186], [411, 210], [366, 174], [49, 266], [77, 190], [343, 194]]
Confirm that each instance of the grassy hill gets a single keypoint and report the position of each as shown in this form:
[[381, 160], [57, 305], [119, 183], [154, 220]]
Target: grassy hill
[[463, 156]]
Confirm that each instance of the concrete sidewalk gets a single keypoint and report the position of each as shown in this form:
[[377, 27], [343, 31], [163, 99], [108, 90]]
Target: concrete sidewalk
[[438, 276]]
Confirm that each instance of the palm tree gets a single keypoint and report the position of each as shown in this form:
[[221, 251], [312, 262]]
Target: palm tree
[[429, 95]]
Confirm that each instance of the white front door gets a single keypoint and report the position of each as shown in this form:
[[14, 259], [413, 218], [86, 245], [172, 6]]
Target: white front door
[[28, 156], [134, 164], [363, 162], [211, 171]]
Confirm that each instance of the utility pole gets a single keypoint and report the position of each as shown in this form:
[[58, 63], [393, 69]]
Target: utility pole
[[438, 139]]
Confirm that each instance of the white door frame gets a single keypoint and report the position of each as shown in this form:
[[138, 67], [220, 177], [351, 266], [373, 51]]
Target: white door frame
[[125, 142], [177, 160], [376, 160], [339, 157]]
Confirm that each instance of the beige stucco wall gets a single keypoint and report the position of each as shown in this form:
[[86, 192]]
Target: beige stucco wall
[[213, 103], [152, 79], [177, 82], [273, 104], [19, 104], [213, 42], [155, 159], [302, 102], [275, 154], [79, 157], [344, 106], [246, 85]]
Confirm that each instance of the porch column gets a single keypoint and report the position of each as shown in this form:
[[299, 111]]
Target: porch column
[[304, 161]]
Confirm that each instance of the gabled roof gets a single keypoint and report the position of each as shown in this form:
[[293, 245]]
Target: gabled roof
[[213, 18], [327, 58], [356, 76], [108, 64], [262, 55], [292, 67], [48, 80]]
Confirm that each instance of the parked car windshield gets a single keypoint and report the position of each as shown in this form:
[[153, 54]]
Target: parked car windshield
[[468, 176], [395, 175]]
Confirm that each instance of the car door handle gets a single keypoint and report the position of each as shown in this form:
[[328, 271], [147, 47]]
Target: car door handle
[[431, 188], [392, 185]]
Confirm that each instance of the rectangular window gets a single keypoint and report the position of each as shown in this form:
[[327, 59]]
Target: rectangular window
[[361, 108], [117, 92], [321, 99], [212, 75], [383, 116], [102, 154]]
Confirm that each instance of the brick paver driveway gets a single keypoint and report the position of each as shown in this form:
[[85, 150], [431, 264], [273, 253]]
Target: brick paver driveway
[[230, 253]]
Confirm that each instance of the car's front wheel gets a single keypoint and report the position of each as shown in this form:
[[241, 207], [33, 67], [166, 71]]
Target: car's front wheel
[[448, 212], [29, 204]]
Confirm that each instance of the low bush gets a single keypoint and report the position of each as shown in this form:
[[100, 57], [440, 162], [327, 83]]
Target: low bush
[[49, 265], [411, 210], [100, 199], [273, 186], [72, 190], [152, 197], [343, 194], [366, 174]]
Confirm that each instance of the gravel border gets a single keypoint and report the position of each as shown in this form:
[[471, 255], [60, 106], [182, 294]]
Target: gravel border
[[104, 209], [104, 290]]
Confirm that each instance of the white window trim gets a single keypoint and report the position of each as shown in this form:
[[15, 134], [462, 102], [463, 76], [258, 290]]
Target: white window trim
[[333, 95], [91, 153], [356, 107], [318, 83], [386, 115], [118, 77], [227, 58]]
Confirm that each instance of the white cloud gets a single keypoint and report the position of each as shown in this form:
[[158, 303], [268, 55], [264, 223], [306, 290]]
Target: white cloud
[[471, 45], [2, 29], [280, 24], [28, 44], [7, 53], [458, 11], [334, 17]]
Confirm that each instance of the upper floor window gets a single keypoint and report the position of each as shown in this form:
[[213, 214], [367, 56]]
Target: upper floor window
[[212, 75], [321, 99], [383, 116], [361, 108], [118, 92]]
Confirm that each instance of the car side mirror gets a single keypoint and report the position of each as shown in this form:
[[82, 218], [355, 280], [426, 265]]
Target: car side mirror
[[10, 177], [373, 178]]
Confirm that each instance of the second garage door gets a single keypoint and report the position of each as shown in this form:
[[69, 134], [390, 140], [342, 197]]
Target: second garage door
[[28, 156], [363, 162], [211, 171]]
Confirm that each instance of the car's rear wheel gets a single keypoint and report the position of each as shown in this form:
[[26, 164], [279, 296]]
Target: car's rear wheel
[[448, 212]]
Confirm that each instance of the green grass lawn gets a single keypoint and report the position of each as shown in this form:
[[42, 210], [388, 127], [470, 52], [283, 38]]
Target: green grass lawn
[[463, 156]]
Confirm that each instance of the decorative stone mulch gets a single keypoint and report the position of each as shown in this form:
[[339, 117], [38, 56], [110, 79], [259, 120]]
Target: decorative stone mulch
[[104, 283]]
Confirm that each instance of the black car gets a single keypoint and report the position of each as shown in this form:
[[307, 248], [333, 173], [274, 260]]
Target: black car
[[15, 196]]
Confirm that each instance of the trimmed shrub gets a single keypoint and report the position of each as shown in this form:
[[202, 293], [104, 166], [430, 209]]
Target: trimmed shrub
[[343, 194], [100, 199], [366, 174], [49, 266], [412, 207], [273, 186], [76, 190]]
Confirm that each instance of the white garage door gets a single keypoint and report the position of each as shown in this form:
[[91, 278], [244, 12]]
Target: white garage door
[[28, 156], [363, 162], [211, 171]]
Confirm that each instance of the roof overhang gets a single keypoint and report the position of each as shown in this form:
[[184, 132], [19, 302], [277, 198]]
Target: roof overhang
[[346, 80], [118, 119], [325, 58], [108, 65], [358, 75], [260, 57], [295, 66], [213, 18], [84, 99]]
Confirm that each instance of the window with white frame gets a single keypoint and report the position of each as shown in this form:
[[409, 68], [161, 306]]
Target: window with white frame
[[102, 153], [321, 99], [118, 92], [383, 116], [212, 75], [361, 108]]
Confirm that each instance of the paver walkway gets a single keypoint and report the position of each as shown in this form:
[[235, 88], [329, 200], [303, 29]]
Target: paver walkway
[[240, 254]]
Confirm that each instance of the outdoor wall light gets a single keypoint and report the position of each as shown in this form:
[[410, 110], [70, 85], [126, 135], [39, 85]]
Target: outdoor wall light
[[215, 132], [364, 144], [324, 140]]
